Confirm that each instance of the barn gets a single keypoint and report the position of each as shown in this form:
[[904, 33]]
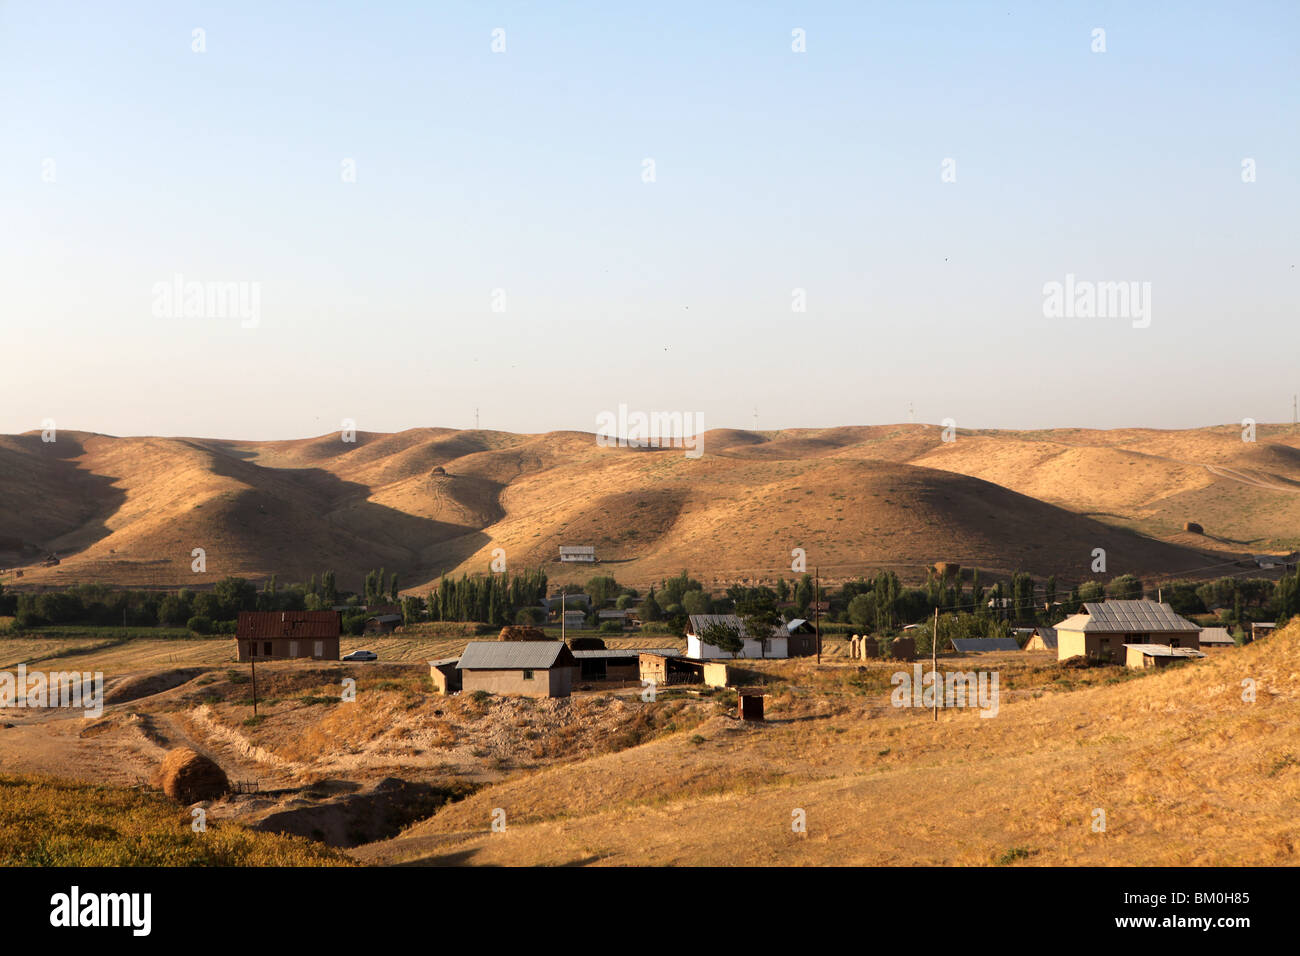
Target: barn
[[287, 635], [525, 668]]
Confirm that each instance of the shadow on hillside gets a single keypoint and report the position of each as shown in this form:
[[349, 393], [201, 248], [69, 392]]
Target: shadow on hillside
[[34, 530]]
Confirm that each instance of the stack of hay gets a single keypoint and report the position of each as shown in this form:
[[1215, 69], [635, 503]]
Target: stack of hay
[[189, 777]]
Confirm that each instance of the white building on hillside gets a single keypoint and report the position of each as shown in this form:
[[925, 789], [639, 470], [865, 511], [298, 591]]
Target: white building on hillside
[[778, 645]]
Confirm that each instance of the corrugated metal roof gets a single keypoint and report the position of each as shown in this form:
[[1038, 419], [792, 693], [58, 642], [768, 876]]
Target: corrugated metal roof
[[1047, 635], [443, 661], [293, 624], [1216, 635], [511, 655], [625, 652], [981, 644], [1126, 617], [699, 622], [1164, 650]]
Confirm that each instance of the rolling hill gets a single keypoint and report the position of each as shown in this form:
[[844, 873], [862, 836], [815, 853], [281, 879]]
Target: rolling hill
[[431, 501]]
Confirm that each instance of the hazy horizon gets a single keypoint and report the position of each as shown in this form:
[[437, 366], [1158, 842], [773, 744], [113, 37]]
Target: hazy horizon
[[378, 181]]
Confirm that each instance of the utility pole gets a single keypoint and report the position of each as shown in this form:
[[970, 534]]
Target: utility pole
[[562, 597], [817, 609], [934, 661], [252, 663]]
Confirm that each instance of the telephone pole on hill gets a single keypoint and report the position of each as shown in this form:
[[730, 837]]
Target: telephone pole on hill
[[817, 609], [934, 661]]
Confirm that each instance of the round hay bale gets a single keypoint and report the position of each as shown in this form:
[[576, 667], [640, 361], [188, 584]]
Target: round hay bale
[[586, 644], [439, 470], [947, 569], [1193, 527], [519, 633], [189, 777]]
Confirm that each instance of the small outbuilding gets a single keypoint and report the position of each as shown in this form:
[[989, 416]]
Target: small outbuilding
[[445, 676], [382, 623], [1042, 639], [1158, 655], [1216, 638]]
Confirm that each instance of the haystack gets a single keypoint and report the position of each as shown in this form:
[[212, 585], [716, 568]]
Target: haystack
[[1193, 527], [189, 777], [520, 633]]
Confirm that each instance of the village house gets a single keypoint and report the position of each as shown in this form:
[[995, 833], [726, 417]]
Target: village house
[[382, 624], [286, 635], [802, 640], [1100, 630], [525, 668], [777, 645], [1216, 638], [582, 553]]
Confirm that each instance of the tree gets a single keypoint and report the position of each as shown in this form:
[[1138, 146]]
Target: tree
[[759, 618], [696, 602], [722, 636], [862, 610], [601, 590], [1126, 587], [329, 594], [649, 610]]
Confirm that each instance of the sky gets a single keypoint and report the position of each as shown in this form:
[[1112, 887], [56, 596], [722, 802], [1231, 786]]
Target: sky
[[537, 213]]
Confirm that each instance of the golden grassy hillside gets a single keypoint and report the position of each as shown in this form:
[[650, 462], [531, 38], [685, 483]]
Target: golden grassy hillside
[[130, 510], [1186, 771]]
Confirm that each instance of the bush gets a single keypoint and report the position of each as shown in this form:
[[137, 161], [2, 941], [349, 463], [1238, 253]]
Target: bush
[[611, 627], [199, 624]]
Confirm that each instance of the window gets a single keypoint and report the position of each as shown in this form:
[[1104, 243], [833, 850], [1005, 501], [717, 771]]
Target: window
[[528, 675], [266, 648], [293, 648], [319, 649]]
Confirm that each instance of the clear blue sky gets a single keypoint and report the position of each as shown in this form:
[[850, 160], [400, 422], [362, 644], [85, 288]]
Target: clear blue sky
[[522, 171]]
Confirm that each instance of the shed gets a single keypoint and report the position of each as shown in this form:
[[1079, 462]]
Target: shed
[[750, 706], [665, 670], [1042, 639], [526, 668], [620, 663], [1158, 655], [445, 676]]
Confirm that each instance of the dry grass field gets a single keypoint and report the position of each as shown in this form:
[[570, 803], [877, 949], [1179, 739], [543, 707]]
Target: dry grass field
[[1186, 772], [130, 510]]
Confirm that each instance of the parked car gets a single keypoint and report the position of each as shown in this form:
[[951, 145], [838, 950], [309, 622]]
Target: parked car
[[361, 656]]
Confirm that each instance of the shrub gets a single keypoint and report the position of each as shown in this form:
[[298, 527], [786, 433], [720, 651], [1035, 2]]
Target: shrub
[[199, 624]]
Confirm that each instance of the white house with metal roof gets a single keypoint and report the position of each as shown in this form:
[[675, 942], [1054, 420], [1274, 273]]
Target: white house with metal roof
[[1102, 629], [776, 646]]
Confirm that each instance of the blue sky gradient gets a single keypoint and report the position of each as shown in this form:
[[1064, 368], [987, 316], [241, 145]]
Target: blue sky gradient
[[522, 171]]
